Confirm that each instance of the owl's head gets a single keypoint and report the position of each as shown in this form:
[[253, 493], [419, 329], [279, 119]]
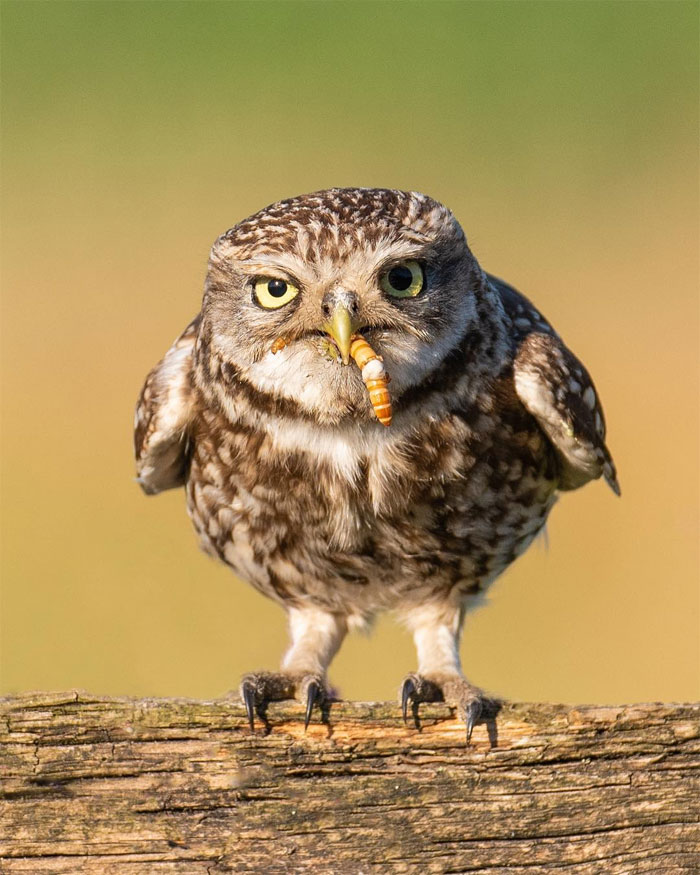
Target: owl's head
[[393, 266]]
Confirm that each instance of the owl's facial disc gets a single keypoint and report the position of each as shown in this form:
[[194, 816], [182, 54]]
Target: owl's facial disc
[[288, 289]]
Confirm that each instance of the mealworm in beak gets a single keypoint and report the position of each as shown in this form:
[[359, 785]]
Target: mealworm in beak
[[375, 377]]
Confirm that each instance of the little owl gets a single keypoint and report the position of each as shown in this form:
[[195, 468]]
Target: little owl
[[262, 413]]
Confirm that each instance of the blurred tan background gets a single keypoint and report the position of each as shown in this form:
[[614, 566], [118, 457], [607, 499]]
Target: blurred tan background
[[564, 137]]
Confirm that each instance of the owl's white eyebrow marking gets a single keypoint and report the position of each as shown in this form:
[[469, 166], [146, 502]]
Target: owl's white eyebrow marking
[[255, 264], [273, 269]]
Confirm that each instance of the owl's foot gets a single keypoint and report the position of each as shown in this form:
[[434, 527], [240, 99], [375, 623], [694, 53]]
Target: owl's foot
[[261, 688], [453, 689]]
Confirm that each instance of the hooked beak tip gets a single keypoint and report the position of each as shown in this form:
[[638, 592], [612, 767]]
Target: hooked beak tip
[[340, 328]]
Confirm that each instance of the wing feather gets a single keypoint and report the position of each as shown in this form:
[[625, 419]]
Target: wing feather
[[164, 413], [555, 387], [558, 391]]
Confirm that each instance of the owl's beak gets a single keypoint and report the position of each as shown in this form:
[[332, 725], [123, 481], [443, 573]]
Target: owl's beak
[[341, 327]]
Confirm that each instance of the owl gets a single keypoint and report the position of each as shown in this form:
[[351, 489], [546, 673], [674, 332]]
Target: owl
[[298, 482]]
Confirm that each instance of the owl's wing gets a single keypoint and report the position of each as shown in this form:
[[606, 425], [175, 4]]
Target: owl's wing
[[164, 412], [555, 387]]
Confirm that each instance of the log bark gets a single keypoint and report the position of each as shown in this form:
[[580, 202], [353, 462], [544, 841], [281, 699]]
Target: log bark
[[173, 787]]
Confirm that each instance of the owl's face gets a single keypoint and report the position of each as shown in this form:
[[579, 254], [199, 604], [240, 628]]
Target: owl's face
[[392, 266]]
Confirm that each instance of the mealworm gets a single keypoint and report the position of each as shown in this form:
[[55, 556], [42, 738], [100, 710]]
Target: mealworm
[[374, 376], [279, 344]]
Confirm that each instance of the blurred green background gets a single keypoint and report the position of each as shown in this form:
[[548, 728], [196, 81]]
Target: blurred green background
[[564, 137]]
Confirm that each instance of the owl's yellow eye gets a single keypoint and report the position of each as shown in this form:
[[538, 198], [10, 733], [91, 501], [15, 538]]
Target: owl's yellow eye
[[403, 280], [272, 293]]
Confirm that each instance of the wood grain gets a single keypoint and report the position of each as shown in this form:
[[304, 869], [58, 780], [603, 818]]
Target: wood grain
[[179, 787]]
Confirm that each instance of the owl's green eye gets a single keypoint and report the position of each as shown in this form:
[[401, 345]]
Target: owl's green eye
[[403, 280], [272, 293]]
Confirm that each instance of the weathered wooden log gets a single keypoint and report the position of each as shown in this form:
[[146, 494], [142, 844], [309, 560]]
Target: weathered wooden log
[[161, 786]]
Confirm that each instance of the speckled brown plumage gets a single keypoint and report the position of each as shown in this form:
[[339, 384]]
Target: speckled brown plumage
[[290, 479]]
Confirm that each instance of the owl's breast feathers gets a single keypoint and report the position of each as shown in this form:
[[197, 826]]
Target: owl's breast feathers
[[447, 496]]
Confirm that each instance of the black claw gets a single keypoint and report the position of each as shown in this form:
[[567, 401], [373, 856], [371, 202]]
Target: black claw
[[312, 695], [472, 714], [248, 692], [407, 693]]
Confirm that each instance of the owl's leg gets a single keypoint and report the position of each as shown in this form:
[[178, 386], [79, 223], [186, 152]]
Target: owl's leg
[[316, 638], [436, 632]]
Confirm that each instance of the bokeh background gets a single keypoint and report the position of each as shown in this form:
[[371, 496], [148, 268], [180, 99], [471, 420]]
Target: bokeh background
[[564, 137]]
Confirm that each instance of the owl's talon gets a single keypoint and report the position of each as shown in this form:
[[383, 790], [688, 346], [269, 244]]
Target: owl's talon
[[248, 696], [257, 690], [472, 712], [453, 689], [313, 694], [408, 690], [414, 690]]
